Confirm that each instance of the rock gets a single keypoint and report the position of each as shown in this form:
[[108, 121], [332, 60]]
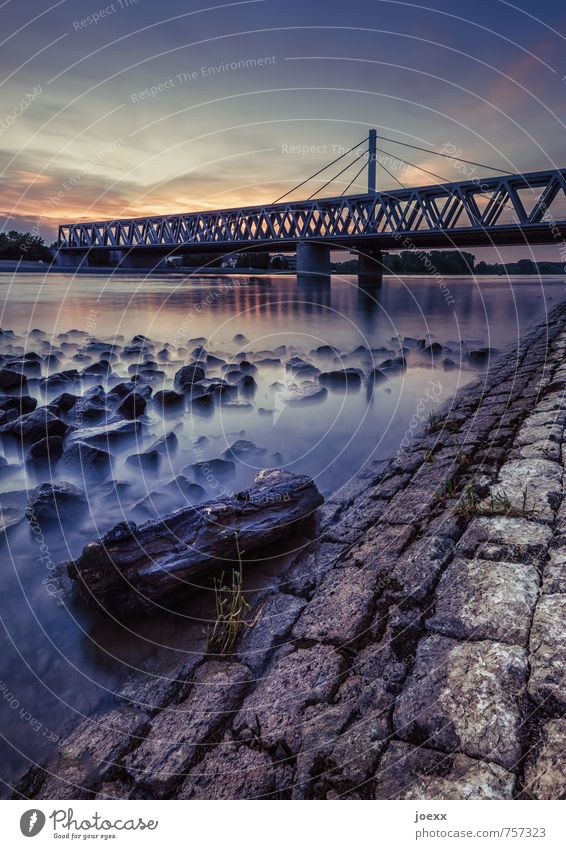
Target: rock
[[481, 356], [111, 433], [433, 350], [309, 393], [146, 461], [66, 401], [346, 378], [92, 406], [211, 469], [20, 404], [191, 491], [165, 445], [479, 599], [272, 713], [274, 619], [545, 768], [92, 752], [169, 399], [48, 450], [177, 735], [244, 450], [465, 697], [12, 381], [70, 378], [376, 376], [130, 567], [528, 487], [56, 502], [547, 651], [326, 351], [230, 771], [247, 385], [448, 364], [410, 772], [83, 462], [132, 406], [32, 427], [187, 376], [240, 339], [514, 540], [339, 609]]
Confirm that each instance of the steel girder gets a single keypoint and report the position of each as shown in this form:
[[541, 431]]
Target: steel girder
[[471, 205]]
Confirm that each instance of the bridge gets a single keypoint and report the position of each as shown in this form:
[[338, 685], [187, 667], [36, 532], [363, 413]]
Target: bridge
[[502, 210]]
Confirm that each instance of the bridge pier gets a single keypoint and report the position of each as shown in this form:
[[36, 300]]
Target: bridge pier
[[71, 259], [370, 267], [313, 261], [144, 260]]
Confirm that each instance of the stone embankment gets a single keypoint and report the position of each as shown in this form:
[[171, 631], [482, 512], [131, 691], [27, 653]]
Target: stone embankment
[[415, 650]]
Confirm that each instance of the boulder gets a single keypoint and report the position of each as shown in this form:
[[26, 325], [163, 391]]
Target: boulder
[[345, 378], [132, 567], [48, 450], [207, 469], [309, 392], [187, 376], [82, 462], [110, 433], [21, 404], [56, 502], [34, 426], [243, 449], [132, 406], [168, 399], [145, 461], [11, 381]]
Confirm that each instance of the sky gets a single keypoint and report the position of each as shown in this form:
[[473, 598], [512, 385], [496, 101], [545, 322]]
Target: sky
[[136, 107]]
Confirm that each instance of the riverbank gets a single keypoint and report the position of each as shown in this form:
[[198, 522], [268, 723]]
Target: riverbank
[[414, 649]]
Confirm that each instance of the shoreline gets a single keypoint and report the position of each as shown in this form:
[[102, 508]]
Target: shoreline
[[414, 649]]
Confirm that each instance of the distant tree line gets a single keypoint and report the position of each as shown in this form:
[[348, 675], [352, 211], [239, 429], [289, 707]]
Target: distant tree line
[[451, 262], [24, 246]]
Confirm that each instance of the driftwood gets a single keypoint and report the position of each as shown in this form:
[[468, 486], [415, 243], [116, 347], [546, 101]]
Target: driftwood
[[132, 567]]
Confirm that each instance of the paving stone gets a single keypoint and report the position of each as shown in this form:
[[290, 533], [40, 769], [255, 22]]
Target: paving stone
[[273, 711], [273, 620], [545, 767], [340, 607], [482, 599], [178, 735], [547, 650], [230, 771], [530, 433], [530, 486], [308, 569], [554, 572], [505, 538], [465, 697], [417, 569], [411, 772], [380, 548], [93, 751]]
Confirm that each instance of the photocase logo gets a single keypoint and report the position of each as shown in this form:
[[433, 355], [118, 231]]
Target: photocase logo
[[32, 822]]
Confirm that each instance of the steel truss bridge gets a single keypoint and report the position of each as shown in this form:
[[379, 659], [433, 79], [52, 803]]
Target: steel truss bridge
[[507, 209]]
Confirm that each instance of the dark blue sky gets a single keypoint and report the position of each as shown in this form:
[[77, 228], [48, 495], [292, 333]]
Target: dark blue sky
[[485, 77]]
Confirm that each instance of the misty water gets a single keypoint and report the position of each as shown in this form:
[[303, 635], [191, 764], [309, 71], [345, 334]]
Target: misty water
[[62, 660]]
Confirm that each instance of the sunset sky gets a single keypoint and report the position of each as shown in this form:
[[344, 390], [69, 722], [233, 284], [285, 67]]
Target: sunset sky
[[487, 77]]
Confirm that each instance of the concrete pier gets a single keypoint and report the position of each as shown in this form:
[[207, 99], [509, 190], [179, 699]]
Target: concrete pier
[[313, 261], [71, 259], [370, 267]]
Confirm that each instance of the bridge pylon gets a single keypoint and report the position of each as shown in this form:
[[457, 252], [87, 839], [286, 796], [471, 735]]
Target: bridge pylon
[[372, 162]]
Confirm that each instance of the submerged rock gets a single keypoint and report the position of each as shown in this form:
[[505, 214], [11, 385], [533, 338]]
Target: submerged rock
[[132, 567], [187, 376], [83, 462], [309, 392], [34, 426], [210, 469], [56, 502], [345, 378]]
